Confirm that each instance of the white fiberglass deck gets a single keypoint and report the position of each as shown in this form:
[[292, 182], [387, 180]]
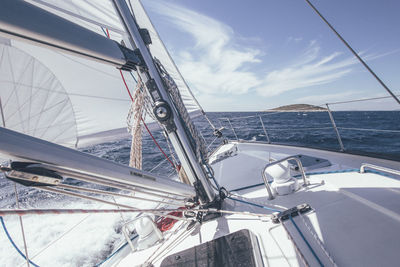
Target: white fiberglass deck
[[355, 219]]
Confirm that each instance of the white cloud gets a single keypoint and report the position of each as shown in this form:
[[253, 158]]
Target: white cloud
[[216, 64], [309, 69]]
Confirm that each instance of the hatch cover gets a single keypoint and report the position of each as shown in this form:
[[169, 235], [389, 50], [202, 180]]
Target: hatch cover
[[236, 249]]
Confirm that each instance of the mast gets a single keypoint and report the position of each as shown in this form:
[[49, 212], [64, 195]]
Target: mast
[[29, 23], [165, 110]]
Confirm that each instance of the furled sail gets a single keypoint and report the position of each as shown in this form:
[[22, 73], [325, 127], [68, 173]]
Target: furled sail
[[96, 92]]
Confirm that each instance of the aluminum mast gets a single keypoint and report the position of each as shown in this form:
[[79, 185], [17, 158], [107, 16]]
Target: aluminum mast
[[25, 21], [154, 84]]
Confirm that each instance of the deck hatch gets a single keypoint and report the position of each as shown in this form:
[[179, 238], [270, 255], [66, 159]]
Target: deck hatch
[[236, 249]]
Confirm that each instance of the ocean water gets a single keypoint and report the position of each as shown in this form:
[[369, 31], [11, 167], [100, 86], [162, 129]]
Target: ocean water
[[85, 240]]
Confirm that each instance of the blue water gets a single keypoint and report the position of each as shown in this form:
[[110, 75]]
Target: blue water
[[309, 129]]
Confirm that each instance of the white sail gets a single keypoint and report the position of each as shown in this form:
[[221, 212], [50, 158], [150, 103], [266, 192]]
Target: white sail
[[96, 92], [159, 51], [96, 14], [32, 100]]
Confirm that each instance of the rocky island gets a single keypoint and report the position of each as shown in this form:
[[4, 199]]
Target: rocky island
[[297, 108]]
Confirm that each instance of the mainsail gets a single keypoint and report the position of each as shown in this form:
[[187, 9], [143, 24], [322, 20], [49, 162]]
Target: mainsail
[[91, 86], [32, 100]]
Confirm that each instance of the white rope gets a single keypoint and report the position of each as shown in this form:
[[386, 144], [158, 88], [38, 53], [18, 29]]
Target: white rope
[[135, 127]]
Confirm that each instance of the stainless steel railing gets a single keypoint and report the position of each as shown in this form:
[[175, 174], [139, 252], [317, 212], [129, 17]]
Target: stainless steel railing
[[229, 123], [299, 164], [378, 168]]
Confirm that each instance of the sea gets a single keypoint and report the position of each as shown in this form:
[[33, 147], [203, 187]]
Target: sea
[[87, 239]]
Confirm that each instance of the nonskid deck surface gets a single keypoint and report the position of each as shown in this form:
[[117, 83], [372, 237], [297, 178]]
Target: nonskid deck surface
[[354, 221]]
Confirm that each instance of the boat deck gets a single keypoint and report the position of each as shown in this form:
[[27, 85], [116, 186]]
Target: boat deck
[[354, 221]]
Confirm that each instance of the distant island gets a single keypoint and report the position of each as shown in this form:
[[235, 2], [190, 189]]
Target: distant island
[[297, 108]]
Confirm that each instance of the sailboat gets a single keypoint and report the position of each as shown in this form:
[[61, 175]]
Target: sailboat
[[243, 204]]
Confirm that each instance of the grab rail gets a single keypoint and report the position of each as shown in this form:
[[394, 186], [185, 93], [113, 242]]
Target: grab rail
[[378, 168], [299, 164]]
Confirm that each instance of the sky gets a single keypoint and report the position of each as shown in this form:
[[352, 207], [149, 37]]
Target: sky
[[255, 55]]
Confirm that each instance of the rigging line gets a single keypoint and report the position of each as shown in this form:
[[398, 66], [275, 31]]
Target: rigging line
[[13, 243], [96, 191], [296, 247], [133, 76], [305, 240], [126, 86], [22, 226], [61, 236], [128, 209], [369, 130], [171, 152], [318, 240], [159, 147], [359, 100], [141, 118], [253, 204], [69, 193], [354, 52], [2, 114], [158, 165], [103, 180]]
